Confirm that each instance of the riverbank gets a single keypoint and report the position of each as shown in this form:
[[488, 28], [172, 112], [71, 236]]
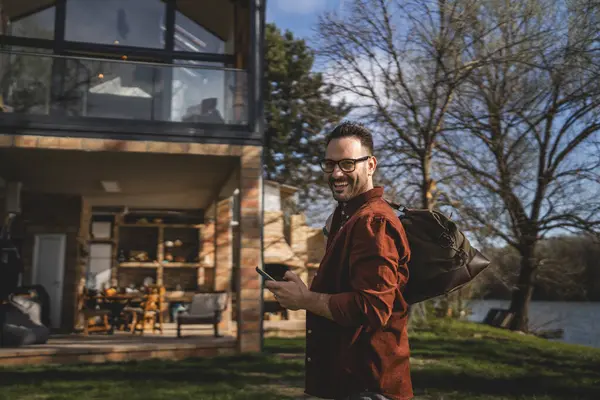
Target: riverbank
[[451, 360], [580, 321]]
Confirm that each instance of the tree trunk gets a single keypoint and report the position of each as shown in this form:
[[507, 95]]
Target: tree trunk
[[521, 297], [427, 184], [427, 202]]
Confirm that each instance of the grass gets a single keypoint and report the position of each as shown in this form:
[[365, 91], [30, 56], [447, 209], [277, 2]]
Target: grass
[[451, 361], [469, 361]]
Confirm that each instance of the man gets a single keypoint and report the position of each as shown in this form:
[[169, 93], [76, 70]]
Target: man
[[356, 337]]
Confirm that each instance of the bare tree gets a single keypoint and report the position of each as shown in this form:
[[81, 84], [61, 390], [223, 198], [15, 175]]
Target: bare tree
[[524, 129], [400, 63]]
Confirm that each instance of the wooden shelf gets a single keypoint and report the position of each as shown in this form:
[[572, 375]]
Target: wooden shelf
[[156, 264], [151, 238], [180, 265], [153, 264], [153, 225]]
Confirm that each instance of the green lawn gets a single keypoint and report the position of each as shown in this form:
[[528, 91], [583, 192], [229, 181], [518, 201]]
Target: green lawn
[[451, 361]]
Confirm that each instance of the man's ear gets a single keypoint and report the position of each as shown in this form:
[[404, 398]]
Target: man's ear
[[372, 165]]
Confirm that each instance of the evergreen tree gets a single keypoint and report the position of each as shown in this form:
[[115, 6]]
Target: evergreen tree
[[299, 111]]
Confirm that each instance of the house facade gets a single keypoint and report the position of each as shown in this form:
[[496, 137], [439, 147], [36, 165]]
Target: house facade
[[131, 147]]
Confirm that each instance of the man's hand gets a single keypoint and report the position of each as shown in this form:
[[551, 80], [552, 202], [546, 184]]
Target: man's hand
[[291, 293], [294, 295]]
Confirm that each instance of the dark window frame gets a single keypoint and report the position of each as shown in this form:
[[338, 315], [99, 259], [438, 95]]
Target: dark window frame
[[59, 44], [167, 56]]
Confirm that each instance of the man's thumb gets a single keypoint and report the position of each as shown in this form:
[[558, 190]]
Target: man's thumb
[[290, 276]]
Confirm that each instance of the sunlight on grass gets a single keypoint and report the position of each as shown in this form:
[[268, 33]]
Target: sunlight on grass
[[450, 360]]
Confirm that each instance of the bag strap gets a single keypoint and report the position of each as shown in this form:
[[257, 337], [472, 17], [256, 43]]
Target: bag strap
[[395, 206]]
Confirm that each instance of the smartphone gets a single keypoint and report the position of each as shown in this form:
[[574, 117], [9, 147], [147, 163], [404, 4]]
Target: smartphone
[[265, 275]]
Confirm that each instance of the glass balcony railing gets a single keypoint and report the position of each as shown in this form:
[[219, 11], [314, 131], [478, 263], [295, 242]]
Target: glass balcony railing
[[186, 91]]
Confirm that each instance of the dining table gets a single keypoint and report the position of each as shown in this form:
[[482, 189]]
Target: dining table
[[116, 303]]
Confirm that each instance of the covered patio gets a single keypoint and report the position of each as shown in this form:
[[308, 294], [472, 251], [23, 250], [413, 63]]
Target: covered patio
[[201, 194]]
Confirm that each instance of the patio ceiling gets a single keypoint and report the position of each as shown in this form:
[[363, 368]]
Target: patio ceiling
[[16, 9], [143, 179]]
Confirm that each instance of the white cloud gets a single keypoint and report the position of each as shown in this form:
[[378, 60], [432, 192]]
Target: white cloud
[[300, 6]]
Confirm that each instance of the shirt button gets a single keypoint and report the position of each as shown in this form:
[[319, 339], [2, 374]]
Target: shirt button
[[308, 359], [309, 331]]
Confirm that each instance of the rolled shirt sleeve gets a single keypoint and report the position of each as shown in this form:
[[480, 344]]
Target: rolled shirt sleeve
[[375, 260]]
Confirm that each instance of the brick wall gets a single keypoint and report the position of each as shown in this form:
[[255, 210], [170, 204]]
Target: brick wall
[[222, 273], [248, 299], [224, 250], [57, 214], [207, 254], [206, 279]]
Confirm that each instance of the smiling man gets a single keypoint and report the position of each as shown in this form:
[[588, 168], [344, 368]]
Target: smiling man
[[356, 336]]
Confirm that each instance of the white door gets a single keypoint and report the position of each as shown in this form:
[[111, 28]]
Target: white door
[[49, 269]]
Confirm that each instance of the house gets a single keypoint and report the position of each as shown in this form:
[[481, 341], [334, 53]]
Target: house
[[130, 148]]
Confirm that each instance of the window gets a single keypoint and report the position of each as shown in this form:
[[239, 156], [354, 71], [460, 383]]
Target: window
[[25, 81], [204, 29], [30, 19], [99, 267], [198, 92], [136, 23], [111, 89]]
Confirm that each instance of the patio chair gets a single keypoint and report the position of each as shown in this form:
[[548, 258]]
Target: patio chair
[[149, 312], [206, 308]]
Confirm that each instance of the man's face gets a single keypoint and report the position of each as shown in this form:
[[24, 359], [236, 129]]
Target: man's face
[[346, 185]]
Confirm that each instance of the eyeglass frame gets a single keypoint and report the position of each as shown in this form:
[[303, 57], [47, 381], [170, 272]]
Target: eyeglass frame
[[354, 160]]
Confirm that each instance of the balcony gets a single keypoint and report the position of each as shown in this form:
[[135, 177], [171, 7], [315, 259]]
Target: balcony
[[186, 99]]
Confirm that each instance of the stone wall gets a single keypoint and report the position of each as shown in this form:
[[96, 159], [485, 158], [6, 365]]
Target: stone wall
[[307, 242]]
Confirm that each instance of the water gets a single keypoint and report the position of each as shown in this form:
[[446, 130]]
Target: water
[[580, 321]]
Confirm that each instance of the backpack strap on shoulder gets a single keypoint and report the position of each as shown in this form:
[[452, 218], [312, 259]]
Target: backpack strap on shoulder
[[395, 206]]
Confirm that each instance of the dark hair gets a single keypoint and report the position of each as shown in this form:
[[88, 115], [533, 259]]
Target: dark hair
[[353, 129]]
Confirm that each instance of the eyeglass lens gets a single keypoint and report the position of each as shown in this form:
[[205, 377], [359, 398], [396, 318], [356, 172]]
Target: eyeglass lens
[[345, 165]]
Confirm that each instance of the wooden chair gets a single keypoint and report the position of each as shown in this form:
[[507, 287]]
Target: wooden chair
[[149, 313], [95, 319]]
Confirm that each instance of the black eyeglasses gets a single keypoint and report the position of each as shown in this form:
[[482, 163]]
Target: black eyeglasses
[[346, 165]]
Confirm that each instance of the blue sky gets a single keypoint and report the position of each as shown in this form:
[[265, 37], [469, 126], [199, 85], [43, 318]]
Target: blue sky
[[299, 16]]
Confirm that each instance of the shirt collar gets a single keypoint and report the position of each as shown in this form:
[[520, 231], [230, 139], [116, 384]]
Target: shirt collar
[[351, 206]]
